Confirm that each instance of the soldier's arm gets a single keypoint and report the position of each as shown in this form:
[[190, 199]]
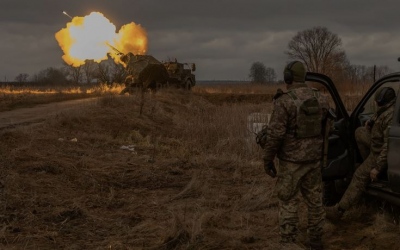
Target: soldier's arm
[[381, 161], [276, 130]]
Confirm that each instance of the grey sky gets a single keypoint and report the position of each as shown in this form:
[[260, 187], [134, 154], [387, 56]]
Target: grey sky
[[223, 37]]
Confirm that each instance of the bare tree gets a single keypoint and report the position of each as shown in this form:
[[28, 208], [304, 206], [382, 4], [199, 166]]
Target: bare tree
[[380, 71], [74, 73], [102, 72], [270, 75], [89, 70], [258, 73], [22, 78], [319, 49], [360, 77], [108, 71], [118, 73], [51, 76]]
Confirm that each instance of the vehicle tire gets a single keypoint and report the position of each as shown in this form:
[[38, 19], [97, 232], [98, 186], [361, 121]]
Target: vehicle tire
[[188, 85]]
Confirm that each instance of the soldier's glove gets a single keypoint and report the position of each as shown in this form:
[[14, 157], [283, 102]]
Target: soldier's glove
[[374, 174], [369, 124], [269, 168]]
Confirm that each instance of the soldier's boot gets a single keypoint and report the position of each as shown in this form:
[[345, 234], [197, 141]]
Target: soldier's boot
[[288, 243], [287, 240], [316, 244], [334, 213]]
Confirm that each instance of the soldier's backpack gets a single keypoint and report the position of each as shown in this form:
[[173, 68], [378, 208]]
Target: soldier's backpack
[[309, 115]]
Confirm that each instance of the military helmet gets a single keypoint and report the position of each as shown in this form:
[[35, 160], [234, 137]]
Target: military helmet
[[294, 72], [384, 95]]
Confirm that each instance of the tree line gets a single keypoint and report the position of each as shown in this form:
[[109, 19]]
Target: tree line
[[107, 71], [321, 51], [318, 48]]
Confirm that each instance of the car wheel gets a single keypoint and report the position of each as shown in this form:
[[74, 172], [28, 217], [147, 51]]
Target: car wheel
[[188, 85]]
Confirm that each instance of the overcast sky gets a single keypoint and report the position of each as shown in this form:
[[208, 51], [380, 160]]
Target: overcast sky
[[223, 37]]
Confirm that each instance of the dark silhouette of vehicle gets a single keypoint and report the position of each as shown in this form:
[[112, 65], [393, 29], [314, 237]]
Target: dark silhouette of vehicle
[[146, 72], [181, 74]]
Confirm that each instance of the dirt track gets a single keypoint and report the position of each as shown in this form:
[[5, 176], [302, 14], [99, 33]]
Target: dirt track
[[39, 113]]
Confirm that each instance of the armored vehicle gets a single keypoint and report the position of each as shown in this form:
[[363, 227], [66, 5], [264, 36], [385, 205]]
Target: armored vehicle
[[181, 74], [146, 72], [343, 154], [143, 71]]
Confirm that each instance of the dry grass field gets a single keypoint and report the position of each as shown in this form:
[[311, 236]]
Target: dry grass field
[[183, 174], [13, 97]]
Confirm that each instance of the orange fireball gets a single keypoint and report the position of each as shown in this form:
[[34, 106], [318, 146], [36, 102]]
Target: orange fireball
[[86, 38]]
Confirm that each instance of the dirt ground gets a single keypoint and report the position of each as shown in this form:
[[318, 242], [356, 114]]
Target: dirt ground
[[175, 171], [39, 113]]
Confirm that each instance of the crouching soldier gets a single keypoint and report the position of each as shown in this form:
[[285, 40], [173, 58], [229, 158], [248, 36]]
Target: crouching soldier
[[372, 144]]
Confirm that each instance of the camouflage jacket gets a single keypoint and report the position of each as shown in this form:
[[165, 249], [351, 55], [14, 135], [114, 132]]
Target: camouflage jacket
[[281, 142], [379, 135]]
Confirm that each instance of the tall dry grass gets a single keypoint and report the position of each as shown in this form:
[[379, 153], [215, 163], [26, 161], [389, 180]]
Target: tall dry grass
[[12, 97], [237, 88], [350, 94], [193, 179]]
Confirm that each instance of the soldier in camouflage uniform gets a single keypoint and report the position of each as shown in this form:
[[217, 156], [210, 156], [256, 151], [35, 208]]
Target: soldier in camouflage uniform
[[372, 143], [297, 142]]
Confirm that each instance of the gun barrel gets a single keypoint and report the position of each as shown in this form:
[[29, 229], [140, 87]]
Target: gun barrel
[[119, 53]]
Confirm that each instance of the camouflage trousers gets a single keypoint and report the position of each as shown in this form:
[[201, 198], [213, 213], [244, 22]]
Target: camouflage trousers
[[295, 179], [361, 176], [363, 139]]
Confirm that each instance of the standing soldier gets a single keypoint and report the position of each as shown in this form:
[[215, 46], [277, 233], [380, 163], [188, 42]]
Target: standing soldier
[[294, 135], [372, 144]]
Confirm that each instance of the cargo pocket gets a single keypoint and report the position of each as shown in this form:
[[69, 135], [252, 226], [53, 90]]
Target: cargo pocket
[[285, 188]]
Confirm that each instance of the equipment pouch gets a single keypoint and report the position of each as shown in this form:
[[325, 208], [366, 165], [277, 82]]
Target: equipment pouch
[[261, 137]]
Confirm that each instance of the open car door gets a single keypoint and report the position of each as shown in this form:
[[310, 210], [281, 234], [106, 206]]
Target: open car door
[[393, 172], [343, 153], [393, 159], [339, 162]]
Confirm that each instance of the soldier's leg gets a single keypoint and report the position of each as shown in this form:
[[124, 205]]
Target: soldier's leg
[[288, 194], [361, 178], [363, 139], [288, 219], [311, 189]]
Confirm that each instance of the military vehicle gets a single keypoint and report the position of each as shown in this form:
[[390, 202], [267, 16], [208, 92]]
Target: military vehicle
[[146, 72], [343, 154], [143, 71], [181, 74]]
